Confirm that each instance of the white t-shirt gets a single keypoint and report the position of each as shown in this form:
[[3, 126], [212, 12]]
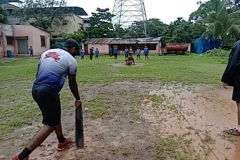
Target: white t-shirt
[[55, 66]]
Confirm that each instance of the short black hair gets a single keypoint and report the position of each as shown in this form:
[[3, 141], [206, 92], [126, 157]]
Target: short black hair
[[71, 43]]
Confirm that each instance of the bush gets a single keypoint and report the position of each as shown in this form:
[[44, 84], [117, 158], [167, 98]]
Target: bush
[[54, 44], [217, 52]]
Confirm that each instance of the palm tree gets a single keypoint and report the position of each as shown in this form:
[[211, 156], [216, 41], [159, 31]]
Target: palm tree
[[221, 22]]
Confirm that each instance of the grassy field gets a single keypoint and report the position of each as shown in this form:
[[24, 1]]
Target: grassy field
[[16, 78]]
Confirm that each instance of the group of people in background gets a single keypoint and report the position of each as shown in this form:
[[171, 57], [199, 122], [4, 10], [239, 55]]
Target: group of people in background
[[113, 51], [129, 60], [127, 52], [91, 53]]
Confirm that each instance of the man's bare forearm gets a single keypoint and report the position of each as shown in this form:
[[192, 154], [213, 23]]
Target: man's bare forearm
[[74, 90]]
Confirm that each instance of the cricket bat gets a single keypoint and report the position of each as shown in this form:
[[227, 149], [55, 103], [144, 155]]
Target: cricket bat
[[79, 136]]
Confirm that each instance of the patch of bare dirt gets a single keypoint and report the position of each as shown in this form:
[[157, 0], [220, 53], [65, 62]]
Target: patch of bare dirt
[[131, 129], [124, 65], [199, 114]]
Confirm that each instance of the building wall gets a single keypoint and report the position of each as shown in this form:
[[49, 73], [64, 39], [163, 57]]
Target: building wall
[[34, 38], [70, 24], [103, 48], [189, 47], [5, 31], [158, 48]]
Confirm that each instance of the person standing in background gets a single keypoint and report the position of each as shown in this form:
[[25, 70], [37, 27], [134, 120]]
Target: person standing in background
[[82, 54], [146, 52], [115, 51], [97, 53], [138, 54], [31, 52], [126, 52], [110, 51], [91, 53], [130, 50]]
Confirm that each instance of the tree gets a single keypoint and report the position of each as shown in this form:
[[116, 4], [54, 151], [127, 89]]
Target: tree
[[221, 18], [42, 13], [100, 24], [181, 31], [77, 35], [2, 16], [156, 27], [233, 5]]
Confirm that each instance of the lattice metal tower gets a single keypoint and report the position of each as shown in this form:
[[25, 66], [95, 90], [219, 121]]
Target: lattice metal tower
[[129, 11]]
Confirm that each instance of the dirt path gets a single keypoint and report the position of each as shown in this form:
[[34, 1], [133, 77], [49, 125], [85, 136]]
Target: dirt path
[[119, 126]]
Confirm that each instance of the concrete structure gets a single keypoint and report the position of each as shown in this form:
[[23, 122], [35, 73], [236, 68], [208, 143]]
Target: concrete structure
[[18, 39], [103, 44], [70, 24], [72, 21], [11, 19], [86, 23]]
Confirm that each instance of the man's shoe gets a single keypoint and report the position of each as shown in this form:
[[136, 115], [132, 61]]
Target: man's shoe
[[62, 146]]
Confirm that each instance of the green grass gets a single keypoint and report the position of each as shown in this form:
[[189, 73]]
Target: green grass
[[165, 68], [16, 78], [98, 107], [175, 148]]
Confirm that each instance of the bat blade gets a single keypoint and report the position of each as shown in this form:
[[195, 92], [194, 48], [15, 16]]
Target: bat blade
[[79, 136]]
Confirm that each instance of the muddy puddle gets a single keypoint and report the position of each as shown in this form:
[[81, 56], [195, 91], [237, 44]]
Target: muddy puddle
[[133, 130]]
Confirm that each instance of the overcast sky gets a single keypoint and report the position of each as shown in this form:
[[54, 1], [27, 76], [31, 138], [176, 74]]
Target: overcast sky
[[166, 10]]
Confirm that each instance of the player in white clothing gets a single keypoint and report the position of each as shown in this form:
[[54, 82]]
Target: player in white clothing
[[54, 67]]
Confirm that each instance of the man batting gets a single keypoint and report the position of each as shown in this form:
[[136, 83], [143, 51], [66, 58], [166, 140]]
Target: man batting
[[54, 67]]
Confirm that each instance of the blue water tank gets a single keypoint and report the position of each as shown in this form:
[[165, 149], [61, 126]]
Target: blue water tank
[[9, 54]]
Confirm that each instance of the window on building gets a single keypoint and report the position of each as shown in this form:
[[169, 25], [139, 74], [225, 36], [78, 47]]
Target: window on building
[[43, 41], [10, 40], [54, 36], [0, 41], [64, 23], [81, 26]]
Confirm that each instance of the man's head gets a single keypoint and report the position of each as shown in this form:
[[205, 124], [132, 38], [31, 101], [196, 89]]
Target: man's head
[[72, 46]]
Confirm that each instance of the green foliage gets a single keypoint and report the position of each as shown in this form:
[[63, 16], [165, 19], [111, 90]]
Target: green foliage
[[42, 13], [2, 16], [217, 52], [100, 24], [54, 44], [221, 18], [155, 28], [181, 31], [77, 35]]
